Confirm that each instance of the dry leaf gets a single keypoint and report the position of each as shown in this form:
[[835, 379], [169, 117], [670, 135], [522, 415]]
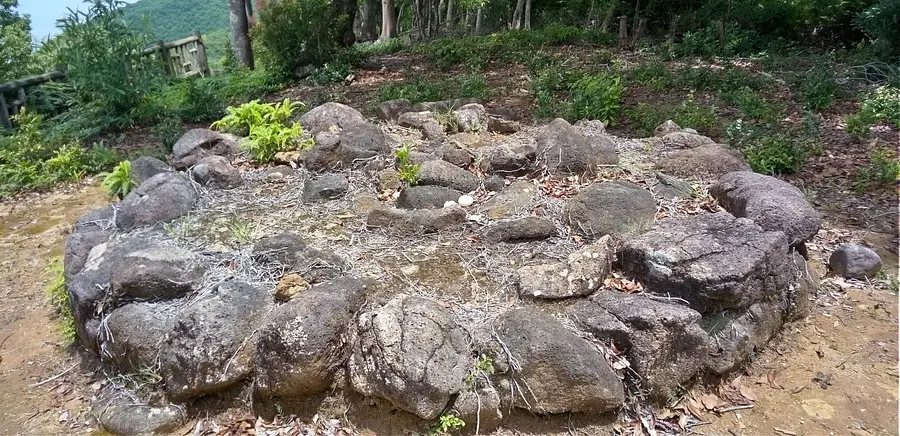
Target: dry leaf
[[747, 393], [710, 401]]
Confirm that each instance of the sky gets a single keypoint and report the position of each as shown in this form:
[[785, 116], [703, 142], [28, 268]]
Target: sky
[[44, 14]]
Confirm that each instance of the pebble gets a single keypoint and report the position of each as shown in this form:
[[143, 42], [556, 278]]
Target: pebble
[[466, 200]]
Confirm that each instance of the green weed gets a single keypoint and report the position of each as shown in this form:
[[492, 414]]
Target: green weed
[[265, 140], [883, 169], [596, 97], [58, 298], [242, 119], [752, 105], [881, 104], [330, 72], [119, 182], [167, 132], [416, 91], [409, 172], [240, 230], [644, 118], [447, 423], [818, 88], [654, 75]]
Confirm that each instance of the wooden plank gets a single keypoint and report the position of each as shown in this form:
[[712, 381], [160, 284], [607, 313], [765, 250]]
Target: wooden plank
[[31, 80], [153, 49], [202, 62], [4, 113]]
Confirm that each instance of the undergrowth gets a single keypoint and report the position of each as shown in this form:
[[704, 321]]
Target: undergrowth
[[119, 182], [58, 298]]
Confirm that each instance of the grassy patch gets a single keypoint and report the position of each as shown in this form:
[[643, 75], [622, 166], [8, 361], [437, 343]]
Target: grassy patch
[[883, 169], [419, 90], [644, 118], [58, 298]]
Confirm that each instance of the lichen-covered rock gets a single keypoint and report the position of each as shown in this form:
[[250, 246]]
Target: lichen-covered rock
[[79, 246], [480, 408], [611, 208], [502, 125], [665, 128], [326, 187], [662, 340], [330, 115], [134, 333], [416, 221], [738, 333], [352, 147], [295, 255], [162, 198], [471, 118], [713, 261], [567, 150], [216, 172], [423, 121], [442, 173], [709, 160], [854, 261], [426, 197], [530, 228], [209, 348], [303, 342], [771, 203], [554, 370], [682, 139], [509, 159], [411, 352], [156, 273], [517, 198], [119, 414], [670, 188], [581, 274], [197, 144], [145, 167]]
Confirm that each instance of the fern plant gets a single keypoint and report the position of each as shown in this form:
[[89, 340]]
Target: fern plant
[[242, 119], [409, 172], [266, 140], [119, 182]]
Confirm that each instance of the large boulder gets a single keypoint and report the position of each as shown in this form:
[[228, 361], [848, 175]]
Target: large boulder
[[662, 340], [208, 348], [326, 187], [423, 121], [567, 150], [356, 144], [611, 208], [581, 274], [79, 246], [713, 261], [156, 273], [508, 159], [162, 198], [855, 261], [416, 221], [426, 197], [197, 144], [516, 199], [442, 173], [295, 255], [216, 172], [411, 352], [390, 110], [134, 333], [530, 228], [771, 203], [552, 369], [707, 160], [302, 344], [330, 115], [145, 167]]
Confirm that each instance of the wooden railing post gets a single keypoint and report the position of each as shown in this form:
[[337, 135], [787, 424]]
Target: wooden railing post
[[623, 32], [164, 56], [202, 63]]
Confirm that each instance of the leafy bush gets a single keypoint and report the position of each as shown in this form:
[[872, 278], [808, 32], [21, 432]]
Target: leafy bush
[[119, 182], [752, 105], [883, 169], [58, 298], [416, 91], [879, 22], [596, 96], [776, 154], [167, 132], [644, 118], [266, 140], [654, 75], [331, 72], [471, 86], [881, 104], [291, 33], [242, 119], [818, 88]]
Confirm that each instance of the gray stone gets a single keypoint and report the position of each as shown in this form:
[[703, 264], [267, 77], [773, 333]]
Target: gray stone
[[855, 261], [279, 172], [591, 128], [502, 125], [802, 289], [441, 173], [359, 142], [665, 128], [455, 155], [133, 335], [567, 150], [157, 273], [556, 371], [295, 255], [682, 139], [771, 203], [520, 230], [663, 341], [423, 121], [426, 197], [509, 159], [471, 118], [411, 352], [480, 408], [390, 110], [326, 187], [196, 144], [330, 115], [365, 136], [416, 221], [581, 274], [146, 167], [709, 160], [216, 172], [443, 105], [207, 349], [120, 415], [302, 344], [78, 247], [713, 261], [97, 219], [162, 198], [739, 333], [611, 208], [494, 184], [670, 188], [516, 198]]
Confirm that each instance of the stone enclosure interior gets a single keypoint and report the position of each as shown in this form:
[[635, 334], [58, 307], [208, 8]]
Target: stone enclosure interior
[[550, 268]]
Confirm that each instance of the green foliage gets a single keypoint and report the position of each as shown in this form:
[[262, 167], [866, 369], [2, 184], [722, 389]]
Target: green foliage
[[653, 74], [331, 72], [16, 61], [119, 182], [818, 88], [447, 423], [409, 172], [242, 119], [240, 229], [752, 105], [378, 48], [881, 104], [879, 21], [167, 132], [471, 86], [597, 97], [644, 118], [291, 33], [265, 140], [883, 169], [419, 90], [776, 154], [175, 19], [58, 298]]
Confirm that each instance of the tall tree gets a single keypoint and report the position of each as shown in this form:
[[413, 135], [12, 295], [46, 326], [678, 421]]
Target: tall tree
[[388, 20], [240, 28], [344, 15], [368, 29]]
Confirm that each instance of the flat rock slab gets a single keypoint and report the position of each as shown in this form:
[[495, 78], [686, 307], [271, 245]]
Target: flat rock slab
[[520, 230], [581, 274], [302, 344], [566, 150], [416, 221], [426, 197], [771, 203], [555, 371], [713, 261], [611, 208], [515, 199], [156, 273], [161, 198], [709, 160], [411, 352], [295, 255]]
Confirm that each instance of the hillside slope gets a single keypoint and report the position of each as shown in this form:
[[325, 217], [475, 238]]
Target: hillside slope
[[174, 19]]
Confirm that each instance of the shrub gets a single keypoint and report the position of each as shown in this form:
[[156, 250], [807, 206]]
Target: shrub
[[416, 91], [472, 86], [752, 105], [167, 133], [883, 169], [644, 118], [654, 75], [818, 88], [242, 119], [331, 72], [596, 97], [119, 182], [776, 154], [265, 140], [291, 33], [881, 104]]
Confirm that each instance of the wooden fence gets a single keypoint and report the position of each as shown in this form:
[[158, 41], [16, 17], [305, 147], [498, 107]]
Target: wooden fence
[[185, 57]]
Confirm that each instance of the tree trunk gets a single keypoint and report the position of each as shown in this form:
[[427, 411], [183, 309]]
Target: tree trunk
[[517, 15], [479, 20], [527, 14], [344, 14], [240, 40], [419, 19], [451, 15], [607, 19], [388, 20], [368, 29]]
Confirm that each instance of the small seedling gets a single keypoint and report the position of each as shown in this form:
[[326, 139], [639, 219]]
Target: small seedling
[[119, 182], [409, 172], [447, 423], [240, 229]]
